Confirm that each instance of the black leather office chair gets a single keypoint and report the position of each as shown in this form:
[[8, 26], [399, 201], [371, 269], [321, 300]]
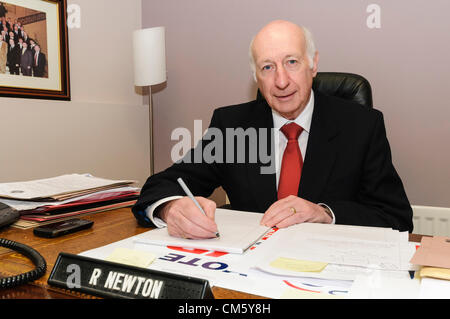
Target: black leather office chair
[[348, 86]]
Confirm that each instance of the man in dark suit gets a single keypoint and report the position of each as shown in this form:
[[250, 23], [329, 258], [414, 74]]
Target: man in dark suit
[[26, 60], [39, 62], [3, 10], [331, 163], [16, 33], [13, 58]]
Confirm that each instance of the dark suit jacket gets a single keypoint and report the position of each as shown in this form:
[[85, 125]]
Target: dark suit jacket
[[39, 70], [26, 61], [347, 166], [13, 56], [3, 10]]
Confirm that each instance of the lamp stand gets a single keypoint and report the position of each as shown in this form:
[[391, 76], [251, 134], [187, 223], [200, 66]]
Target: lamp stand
[[150, 111]]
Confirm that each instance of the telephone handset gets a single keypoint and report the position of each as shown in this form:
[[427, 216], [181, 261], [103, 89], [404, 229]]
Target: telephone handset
[[8, 216]]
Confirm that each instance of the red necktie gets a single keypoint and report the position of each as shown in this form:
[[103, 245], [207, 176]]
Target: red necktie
[[291, 166]]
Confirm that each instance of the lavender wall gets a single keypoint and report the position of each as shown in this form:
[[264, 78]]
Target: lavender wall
[[406, 61]]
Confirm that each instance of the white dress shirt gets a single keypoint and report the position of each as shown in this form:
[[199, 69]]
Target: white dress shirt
[[280, 142]]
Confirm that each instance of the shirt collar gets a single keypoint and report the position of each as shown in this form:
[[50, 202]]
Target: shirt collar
[[304, 118]]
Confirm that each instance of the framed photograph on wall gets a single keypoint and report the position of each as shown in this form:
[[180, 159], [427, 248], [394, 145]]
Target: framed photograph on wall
[[34, 49]]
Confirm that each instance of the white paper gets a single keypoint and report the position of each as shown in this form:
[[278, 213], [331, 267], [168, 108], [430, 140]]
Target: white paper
[[238, 231], [48, 187], [233, 271], [29, 205], [219, 268], [432, 288], [368, 247], [223, 270], [379, 284]]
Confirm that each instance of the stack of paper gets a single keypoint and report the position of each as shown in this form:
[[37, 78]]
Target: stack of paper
[[47, 200], [368, 247], [433, 257], [368, 257], [302, 261]]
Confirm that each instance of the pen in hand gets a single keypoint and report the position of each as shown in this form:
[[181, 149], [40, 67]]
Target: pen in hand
[[189, 194]]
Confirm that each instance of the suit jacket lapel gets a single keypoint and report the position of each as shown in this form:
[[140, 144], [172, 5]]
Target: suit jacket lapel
[[318, 163], [321, 151], [262, 182]]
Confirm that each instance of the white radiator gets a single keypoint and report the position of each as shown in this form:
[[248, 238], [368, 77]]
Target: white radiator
[[434, 221]]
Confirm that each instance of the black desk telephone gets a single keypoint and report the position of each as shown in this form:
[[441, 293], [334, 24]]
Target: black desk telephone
[[8, 216]]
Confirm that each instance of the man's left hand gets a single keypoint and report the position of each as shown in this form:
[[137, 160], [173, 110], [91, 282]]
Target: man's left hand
[[294, 210]]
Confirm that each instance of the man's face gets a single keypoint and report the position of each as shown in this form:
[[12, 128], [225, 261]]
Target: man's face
[[283, 71]]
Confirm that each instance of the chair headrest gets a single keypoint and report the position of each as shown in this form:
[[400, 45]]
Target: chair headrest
[[348, 86]]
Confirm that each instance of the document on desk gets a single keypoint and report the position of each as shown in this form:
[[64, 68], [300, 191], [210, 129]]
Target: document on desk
[[367, 247], [238, 231], [27, 205], [58, 188]]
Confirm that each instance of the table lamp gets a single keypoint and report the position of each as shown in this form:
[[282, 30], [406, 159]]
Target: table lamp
[[149, 67]]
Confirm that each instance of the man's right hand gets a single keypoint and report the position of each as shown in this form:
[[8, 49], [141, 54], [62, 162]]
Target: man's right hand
[[185, 220]]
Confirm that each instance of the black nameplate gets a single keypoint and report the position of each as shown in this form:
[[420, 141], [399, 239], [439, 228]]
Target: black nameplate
[[112, 280]]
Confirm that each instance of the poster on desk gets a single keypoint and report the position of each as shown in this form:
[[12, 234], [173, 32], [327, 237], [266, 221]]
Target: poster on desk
[[229, 271]]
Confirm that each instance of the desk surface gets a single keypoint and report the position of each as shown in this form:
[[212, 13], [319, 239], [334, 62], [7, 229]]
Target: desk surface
[[108, 227]]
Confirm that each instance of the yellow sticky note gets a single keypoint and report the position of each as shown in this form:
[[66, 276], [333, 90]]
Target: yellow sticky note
[[298, 265], [132, 257], [434, 272]]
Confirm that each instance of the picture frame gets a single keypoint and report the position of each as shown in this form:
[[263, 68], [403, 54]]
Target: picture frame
[[39, 26]]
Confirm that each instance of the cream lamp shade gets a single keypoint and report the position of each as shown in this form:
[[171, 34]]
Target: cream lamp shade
[[149, 48]]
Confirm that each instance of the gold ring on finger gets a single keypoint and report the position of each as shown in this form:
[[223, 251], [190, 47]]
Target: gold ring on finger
[[293, 210]]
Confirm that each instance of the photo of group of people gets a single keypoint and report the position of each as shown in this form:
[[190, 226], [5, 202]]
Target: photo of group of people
[[21, 52]]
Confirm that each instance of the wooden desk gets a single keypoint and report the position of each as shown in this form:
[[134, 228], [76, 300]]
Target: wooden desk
[[108, 227]]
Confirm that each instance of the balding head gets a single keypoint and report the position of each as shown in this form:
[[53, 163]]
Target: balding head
[[281, 27], [284, 60]]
